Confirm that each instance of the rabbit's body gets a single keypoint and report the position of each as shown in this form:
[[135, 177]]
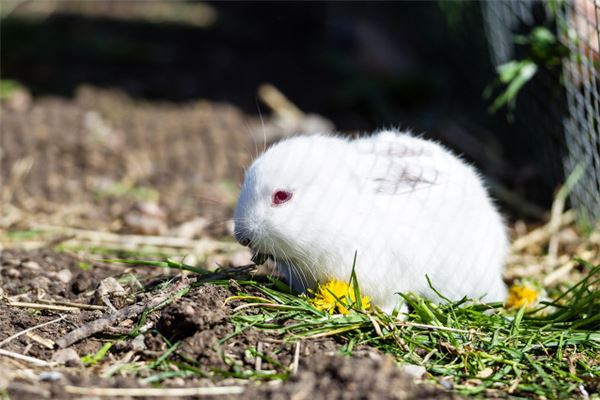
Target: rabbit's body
[[405, 205]]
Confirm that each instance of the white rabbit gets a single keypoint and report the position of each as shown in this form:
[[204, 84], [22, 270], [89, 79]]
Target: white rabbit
[[407, 206]]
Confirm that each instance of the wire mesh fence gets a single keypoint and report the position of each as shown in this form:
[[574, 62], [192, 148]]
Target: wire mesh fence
[[559, 110]]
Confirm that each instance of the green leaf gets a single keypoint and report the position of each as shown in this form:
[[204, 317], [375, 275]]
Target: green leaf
[[516, 75], [355, 287], [92, 359]]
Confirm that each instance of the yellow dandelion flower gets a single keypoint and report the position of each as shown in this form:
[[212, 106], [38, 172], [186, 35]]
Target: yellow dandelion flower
[[522, 294], [336, 296]]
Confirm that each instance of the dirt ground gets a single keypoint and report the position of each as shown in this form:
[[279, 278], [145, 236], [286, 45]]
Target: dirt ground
[[103, 149], [200, 321]]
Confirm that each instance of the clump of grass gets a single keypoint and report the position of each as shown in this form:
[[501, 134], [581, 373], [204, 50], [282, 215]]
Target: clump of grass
[[551, 350], [480, 347]]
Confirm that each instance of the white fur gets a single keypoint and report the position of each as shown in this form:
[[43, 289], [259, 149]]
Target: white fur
[[406, 205]]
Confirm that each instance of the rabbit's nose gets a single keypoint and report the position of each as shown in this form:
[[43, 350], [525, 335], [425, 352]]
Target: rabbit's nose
[[242, 239], [242, 234]]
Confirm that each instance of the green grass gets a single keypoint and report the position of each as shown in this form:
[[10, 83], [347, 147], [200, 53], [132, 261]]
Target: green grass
[[481, 349], [94, 358], [119, 189], [28, 234]]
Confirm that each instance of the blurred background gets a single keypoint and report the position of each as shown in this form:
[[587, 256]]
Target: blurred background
[[139, 116]]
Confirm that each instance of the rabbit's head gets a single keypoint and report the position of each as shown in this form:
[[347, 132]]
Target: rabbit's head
[[292, 193]]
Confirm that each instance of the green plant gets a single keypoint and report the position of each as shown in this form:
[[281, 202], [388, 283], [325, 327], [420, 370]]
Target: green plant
[[543, 51]]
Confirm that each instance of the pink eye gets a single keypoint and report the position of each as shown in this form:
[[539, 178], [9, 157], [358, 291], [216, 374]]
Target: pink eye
[[281, 196]]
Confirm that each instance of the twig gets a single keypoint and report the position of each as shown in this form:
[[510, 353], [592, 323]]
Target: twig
[[31, 360], [258, 358], [83, 306], [154, 392], [134, 310], [296, 361], [435, 327], [47, 343], [38, 306], [16, 335]]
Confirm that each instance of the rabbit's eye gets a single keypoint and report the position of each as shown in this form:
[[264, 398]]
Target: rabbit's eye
[[281, 196]]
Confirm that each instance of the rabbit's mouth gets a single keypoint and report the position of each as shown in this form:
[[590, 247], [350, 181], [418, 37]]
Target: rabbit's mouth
[[261, 258]]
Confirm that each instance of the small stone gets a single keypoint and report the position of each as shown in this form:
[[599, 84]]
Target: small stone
[[110, 286], [51, 376], [64, 275], [416, 371], [32, 265], [11, 262], [446, 383], [138, 343], [13, 273], [68, 357]]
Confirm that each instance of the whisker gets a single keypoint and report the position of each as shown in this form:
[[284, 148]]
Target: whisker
[[299, 270], [308, 270], [250, 132], [262, 122]]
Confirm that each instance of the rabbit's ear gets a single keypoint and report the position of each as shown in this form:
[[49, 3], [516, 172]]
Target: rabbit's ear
[[396, 165]]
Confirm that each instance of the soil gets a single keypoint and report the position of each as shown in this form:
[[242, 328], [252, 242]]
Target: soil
[[200, 321], [112, 157]]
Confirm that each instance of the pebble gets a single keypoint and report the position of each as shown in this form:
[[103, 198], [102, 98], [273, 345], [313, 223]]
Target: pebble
[[13, 273], [67, 357], [51, 376], [110, 286], [138, 343], [32, 265], [416, 371], [12, 262], [446, 383], [64, 275]]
